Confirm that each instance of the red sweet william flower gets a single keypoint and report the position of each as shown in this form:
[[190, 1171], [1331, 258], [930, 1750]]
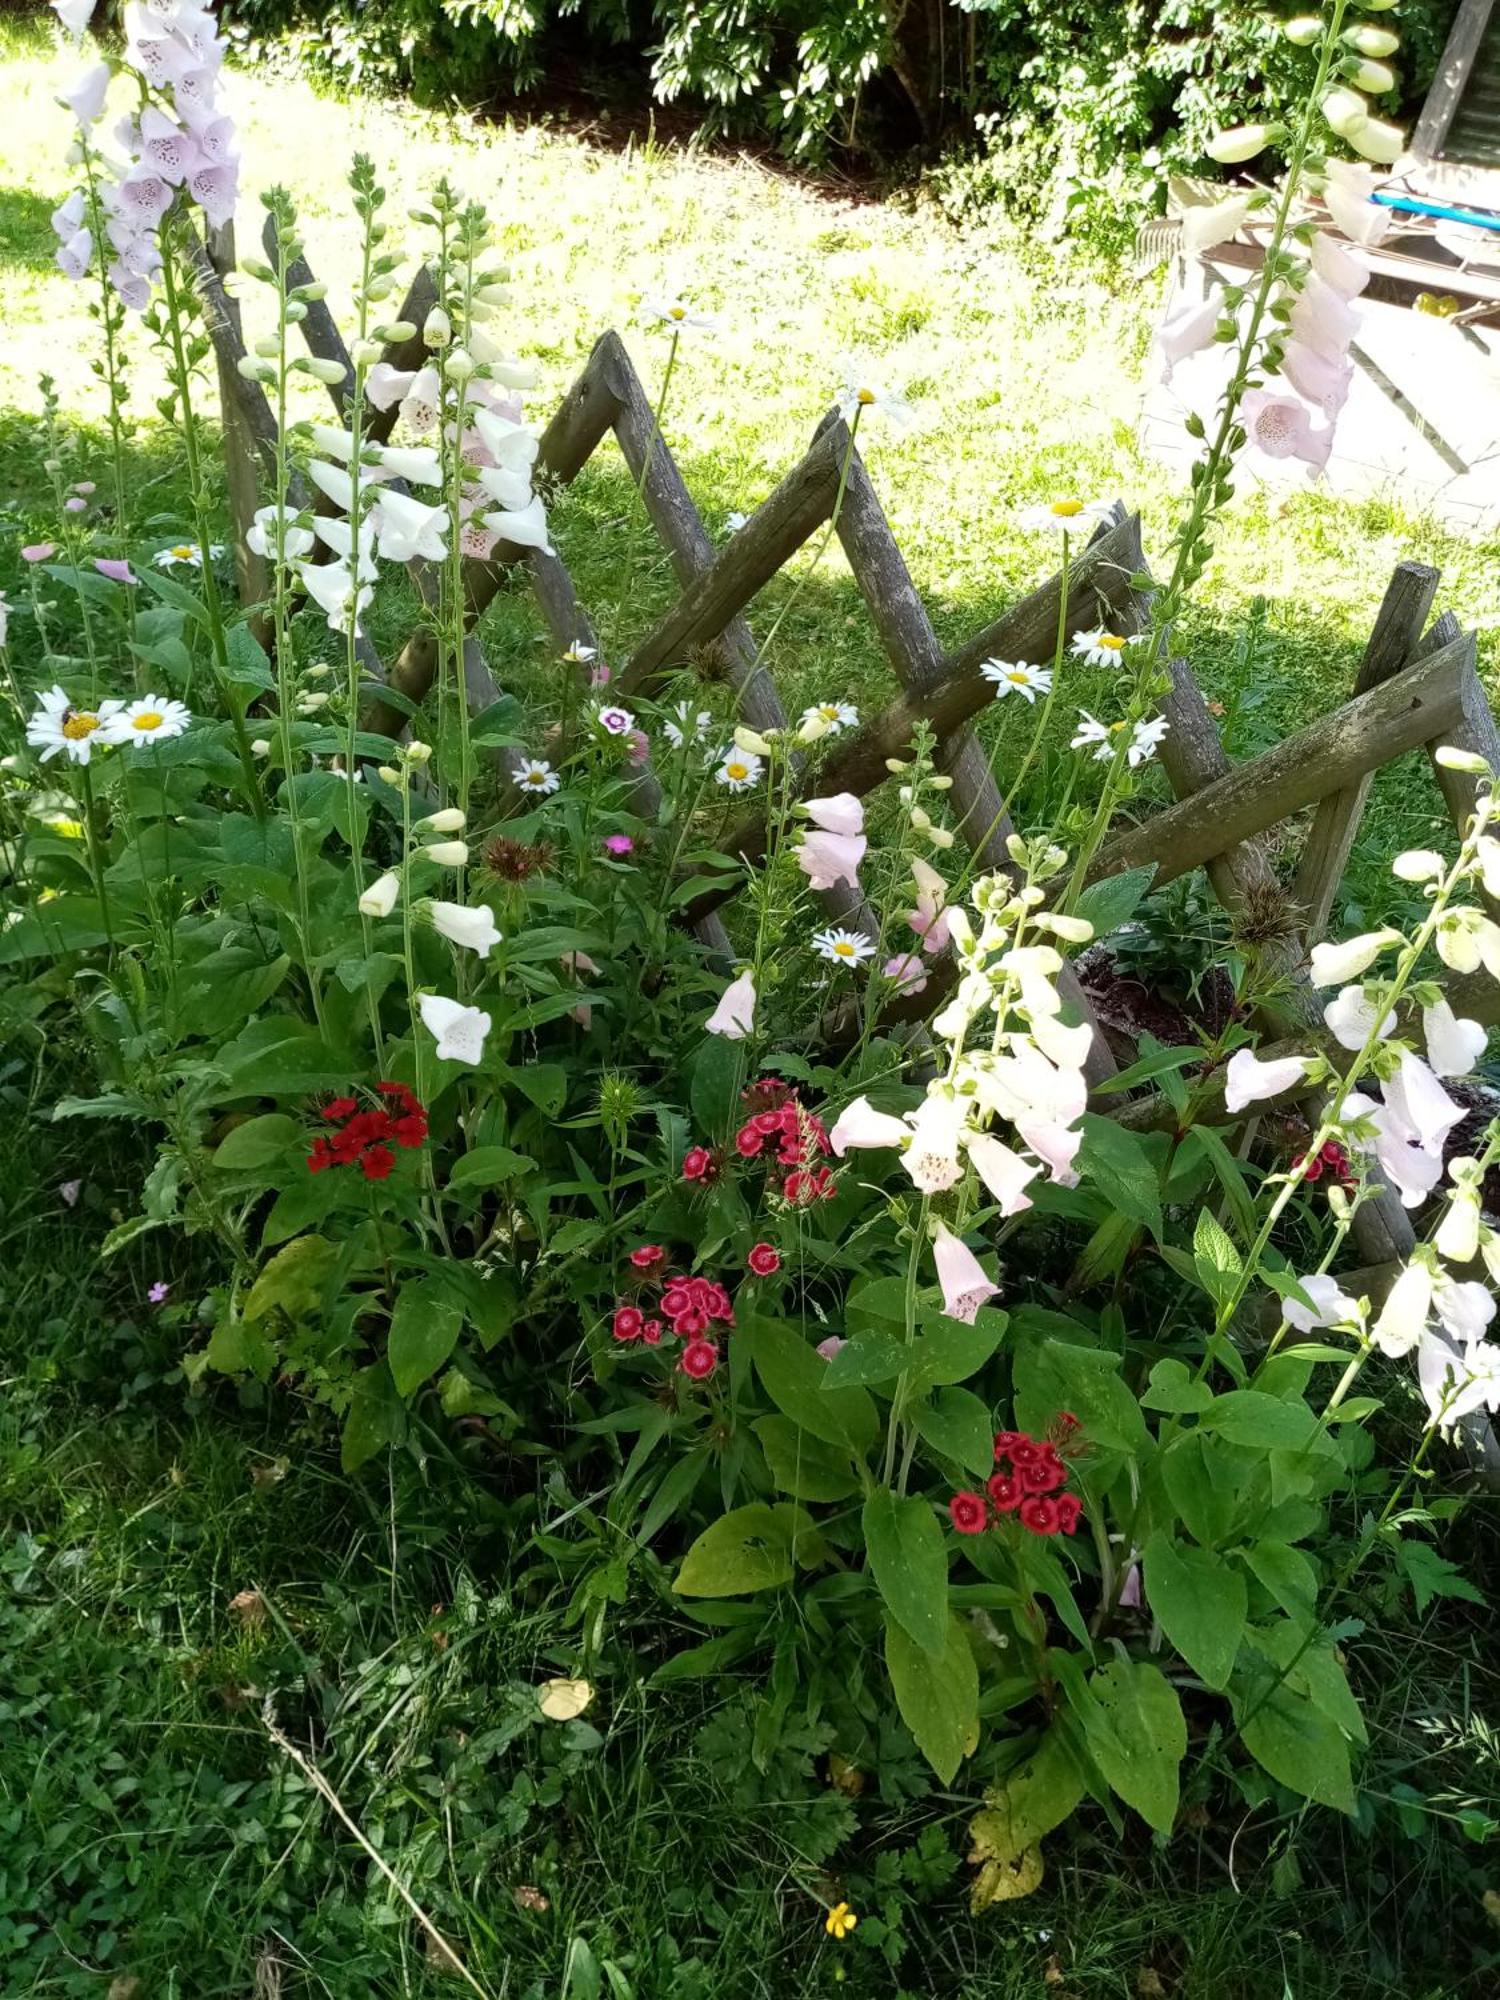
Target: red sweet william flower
[[1040, 1514], [337, 1109], [1006, 1442], [1043, 1473], [651, 1333], [1005, 1494], [747, 1142], [628, 1323], [764, 1260], [676, 1299], [410, 1129], [1069, 1508], [698, 1164], [375, 1162], [698, 1359], [648, 1257], [968, 1513], [690, 1325], [321, 1156]]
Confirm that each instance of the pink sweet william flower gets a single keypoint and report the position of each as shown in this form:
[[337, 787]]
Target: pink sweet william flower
[[1281, 427], [618, 844], [827, 859], [114, 569], [699, 1359], [961, 1275], [36, 552], [764, 1260]]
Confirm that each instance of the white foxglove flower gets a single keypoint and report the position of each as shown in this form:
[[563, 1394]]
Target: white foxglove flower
[[409, 530], [332, 480], [154, 718], [1403, 1318], [451, 819], [734, 1017], [1418, 864], [1017, 677], [1423, 1111], [1454, 1380], [535, 774], [1352, 1018], [828, 859], [1055, 1145], [381, 896], [1190, 331], [74, 15], [1067, 1047], [459, 1030], [841, 813], [1335, 964], [1465, 1307], [525, 526], [860, 1127], [507, 489], [961, 1275], [1466, 939], [933, 1158], [448, 853], [1332, 1306], [1207, 225], [1454, 1044], [86, 99], [1005, 1173], [331, 586], [1457, 1236], [474, 929], [261, 535], [1248, 1080], [417, 464], [512, 446]]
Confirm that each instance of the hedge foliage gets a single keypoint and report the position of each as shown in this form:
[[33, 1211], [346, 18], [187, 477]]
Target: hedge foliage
[[1071, 112]]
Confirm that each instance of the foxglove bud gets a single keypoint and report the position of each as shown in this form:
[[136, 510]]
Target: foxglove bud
[[437, 329]]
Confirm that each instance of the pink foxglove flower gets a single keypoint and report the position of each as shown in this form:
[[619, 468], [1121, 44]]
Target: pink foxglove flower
[[1324, 383], [216, 190], [116, 570], [167, 147], [37, 552], [76, 256], [827, 859], [929, 919], [906, 972], [843, 813], [1280, 427], [1323, 320], [1004, 1172], [961, 1275], [1347, 193], [831, 1346], [734, 1017], [1248, 1080], [1339, 268], [1055, 1145]]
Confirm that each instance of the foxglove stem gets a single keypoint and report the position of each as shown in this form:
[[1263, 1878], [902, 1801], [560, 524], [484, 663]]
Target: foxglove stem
[[111, 321], [366, 209]]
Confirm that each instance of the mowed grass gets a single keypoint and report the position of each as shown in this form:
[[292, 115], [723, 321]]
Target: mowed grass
[[1025, 375]]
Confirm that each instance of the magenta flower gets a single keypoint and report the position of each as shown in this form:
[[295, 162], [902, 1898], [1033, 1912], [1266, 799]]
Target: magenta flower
[[831, 1346], [114, 569], [639, 746], [907, 972], [618, 843], [599, 676], [36, 552], [158, 1291]]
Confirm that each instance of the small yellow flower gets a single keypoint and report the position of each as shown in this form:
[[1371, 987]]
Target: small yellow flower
[[840, 1921]]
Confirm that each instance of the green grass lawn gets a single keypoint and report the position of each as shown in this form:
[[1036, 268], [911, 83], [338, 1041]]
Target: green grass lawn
[[680, 1841]]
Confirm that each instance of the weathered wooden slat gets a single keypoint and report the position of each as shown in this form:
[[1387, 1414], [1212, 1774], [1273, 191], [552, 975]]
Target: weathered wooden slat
[[241, 469], [319, 329], [1424, 701], [1393, 642]]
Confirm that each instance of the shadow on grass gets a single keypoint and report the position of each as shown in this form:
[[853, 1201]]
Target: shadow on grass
[[27, 241]]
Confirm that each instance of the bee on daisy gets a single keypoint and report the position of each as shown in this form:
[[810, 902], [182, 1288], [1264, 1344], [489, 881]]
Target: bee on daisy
[[848, 948], [1104, 738], [1067, 515], [535, 774], [59, 728], [153, 719], [186, 555], [834, 715], [1017, 677], [1102, 648], [740, 770]]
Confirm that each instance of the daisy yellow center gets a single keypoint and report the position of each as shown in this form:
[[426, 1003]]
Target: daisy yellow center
[[535, 776], [149, 718], [1019, 675], [866, 396], [738, 770], [829, 711], [1067, 509], [80, 724], [843, 950], [183, 551], [1111, 641], [679, 312]]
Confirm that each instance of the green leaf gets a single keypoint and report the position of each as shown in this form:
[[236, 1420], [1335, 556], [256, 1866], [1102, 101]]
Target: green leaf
[[1431, 1575], [1199, 1602], [249, 664], [1160, 1062], [959, 1426], [282, 1057], [259, 1142], [1171, 1387], [1052, 1375], [425, 1326], [718, 1072], [1288, 1574], [487, 1166], [938, 1696], [1026, 1803], [909, 1562], [1121, 1167], [1114, 901], [1227, 1170], [293, 1281], [1203, 1483], [952, 1351], [376, 1417], [1300, 1748], [241, 1347], [1215, 1259], [803, 1465], [745, 1550], [1250, 1417], [867, 1357], [544, 1084], [1137, 1737], [794, 1376]]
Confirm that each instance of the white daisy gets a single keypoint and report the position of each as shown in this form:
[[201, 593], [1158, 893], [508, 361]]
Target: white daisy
[[1017, 677], [836, 715], [534, 774], [677, 314], [1145, 737], [579, 654], [740, 770], [1104, 738], [1101, 648], [860, 392], [734, 521], [1066, 515], [186, 555], [57, 727], [849, 948], [153, 719], [676, 726], [615, 721]]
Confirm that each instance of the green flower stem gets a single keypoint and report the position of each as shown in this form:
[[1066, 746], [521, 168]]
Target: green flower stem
[[96, 860], [111, 321]]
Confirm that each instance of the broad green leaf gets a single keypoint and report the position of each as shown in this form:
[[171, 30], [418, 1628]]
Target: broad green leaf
[[425, 1326], [293, 1281], [1214, 1256], [376, 1417], [1171, 1387], [1051, 1375], [1123, 1167], [1300, 1748], [1199, 1602], [795, 1375], [803, 1465], [282, 1057], [249, 664], [718, 1073], [1314, 1670], [938, 1697], [909, 1562], [545, 1084], [958, 1425], [488, 1166], [952, 1351], [867, 1357], [1228, 1171], [1288, 1574], [1250, 1417], [260, 1142], [241, 1347], [745, 1550], [1023, 1806], [1203, 1484], [1160, 1062], [1114, 900], [1137, 1737]]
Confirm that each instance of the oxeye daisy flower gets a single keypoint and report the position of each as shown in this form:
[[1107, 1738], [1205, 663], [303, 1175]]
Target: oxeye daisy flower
[[676, 727], [58, 728], [677, 315], [835, 715], [579, 655], [849, 948], [740, 771], [153, 719], [186, 555], [1104, 737], [535, 774], [1017, 677], [861, 392], [1067, 515], [1102, 648]]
